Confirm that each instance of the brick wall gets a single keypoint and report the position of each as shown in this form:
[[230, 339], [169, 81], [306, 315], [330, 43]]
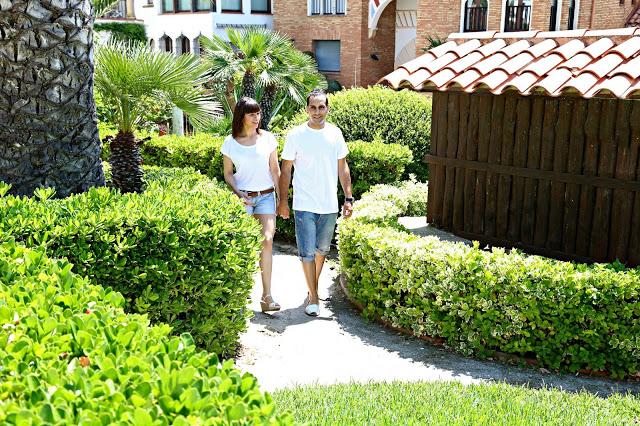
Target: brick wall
[[357, 68], [440, 17]]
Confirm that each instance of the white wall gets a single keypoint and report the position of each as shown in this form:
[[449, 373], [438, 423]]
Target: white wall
[[406, 13]]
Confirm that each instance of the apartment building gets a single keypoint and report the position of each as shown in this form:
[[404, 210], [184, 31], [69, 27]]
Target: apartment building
[[357, 41], [176, 25]]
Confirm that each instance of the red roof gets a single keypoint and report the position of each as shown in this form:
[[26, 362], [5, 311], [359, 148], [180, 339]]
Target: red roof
[[587, 63]]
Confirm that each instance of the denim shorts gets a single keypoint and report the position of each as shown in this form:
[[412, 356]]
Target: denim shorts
[[263, 204], [314, 233]]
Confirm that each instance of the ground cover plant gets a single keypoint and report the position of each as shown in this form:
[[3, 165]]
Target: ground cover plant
[[567, 316], [378, 113], [453, 404], [183, 252], [70, 355]]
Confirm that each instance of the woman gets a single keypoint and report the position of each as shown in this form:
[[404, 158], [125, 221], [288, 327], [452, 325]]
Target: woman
[[254, 154]]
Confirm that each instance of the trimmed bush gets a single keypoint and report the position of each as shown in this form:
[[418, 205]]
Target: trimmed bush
[[184, 251], [568, 316], [70, 355], [201, 151], [402, 117], [124, 31]]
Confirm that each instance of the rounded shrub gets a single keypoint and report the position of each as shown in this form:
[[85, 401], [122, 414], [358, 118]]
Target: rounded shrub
[[402, 117], [568, 316], [70, 355], [184, 251]]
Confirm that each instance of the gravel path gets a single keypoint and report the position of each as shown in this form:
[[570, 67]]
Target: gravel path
[[288, 348]]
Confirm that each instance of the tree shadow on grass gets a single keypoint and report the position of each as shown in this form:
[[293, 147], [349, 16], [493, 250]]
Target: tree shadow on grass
[[458, 367]]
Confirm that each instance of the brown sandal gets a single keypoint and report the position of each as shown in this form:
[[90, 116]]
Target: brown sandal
[[267, 304]]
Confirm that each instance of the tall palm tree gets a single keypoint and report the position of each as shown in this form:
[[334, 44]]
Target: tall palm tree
[[48, 131], [128, 74], [266, 62]]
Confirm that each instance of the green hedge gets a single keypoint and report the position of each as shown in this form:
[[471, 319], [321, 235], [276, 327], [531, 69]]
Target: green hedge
[[183, 251], [70, 355], [125, 31], [568, 316], [402, 117], [370, 163]]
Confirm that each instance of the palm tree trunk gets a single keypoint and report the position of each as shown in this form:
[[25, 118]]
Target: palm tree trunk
[[48, 126], [266, 105], [248, 85], [126, 163]]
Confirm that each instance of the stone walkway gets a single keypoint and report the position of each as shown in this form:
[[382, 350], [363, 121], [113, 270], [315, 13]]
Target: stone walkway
[[288, 348]]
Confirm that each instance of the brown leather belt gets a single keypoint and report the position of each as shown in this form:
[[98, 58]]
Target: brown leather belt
[[258, 193]]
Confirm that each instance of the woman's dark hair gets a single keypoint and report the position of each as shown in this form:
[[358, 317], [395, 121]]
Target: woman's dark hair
[[244, 106]]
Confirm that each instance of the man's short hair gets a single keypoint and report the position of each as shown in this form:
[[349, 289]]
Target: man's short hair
[[317, 93]]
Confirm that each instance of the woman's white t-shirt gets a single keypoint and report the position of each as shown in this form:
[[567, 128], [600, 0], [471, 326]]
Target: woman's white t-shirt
[[251, 162]]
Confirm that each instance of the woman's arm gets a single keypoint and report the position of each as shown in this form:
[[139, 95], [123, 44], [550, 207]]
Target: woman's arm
[[227, 165]]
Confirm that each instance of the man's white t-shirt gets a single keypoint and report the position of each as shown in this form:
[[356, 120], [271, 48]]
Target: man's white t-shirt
[[315, 154], [251, 162]]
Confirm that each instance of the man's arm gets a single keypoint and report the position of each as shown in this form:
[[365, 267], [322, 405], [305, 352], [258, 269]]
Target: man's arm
[[285, 180], [345, 180]]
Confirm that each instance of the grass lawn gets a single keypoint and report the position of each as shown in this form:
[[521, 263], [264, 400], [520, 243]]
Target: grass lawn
[[453, 404]]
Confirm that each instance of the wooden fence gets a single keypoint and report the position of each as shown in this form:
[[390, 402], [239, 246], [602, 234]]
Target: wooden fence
[[553, 176]]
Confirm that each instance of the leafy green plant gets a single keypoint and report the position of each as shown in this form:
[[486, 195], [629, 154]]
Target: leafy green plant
[[123, 31], [183, 252], [568, 316], [379, 113], [70, 355]]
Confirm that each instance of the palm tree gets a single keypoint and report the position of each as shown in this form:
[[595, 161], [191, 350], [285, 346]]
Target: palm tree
[[266, 62], [129, 74], [48, 131]]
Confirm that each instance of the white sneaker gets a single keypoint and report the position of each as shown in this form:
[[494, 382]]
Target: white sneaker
[[312, 310]]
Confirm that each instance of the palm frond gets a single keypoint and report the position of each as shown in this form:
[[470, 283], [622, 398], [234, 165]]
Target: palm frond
[[127, 73], [100, 7]]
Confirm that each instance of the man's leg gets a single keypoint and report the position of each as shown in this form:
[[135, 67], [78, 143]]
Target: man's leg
[[324, 234], [306, 241]]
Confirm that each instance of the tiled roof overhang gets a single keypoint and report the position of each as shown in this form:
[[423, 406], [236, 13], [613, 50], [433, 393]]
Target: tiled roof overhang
[[603, 63]]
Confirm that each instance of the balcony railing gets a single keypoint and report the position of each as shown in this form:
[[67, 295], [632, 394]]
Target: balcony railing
[[517, 18], [475, 18], [328, 7]]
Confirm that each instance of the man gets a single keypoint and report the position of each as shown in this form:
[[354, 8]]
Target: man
[[317, 151]]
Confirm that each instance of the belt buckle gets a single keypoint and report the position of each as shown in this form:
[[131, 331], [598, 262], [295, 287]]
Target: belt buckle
[[259, 193]]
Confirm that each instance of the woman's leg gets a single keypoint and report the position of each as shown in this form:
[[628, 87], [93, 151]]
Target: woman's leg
[[268, 222]]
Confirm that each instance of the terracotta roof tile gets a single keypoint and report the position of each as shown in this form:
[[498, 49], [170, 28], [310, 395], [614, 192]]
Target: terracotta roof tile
[[605, 65], [589, 63]]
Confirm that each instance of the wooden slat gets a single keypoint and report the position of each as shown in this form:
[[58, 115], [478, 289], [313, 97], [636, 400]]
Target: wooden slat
[[493, 157], [472, 155], [521, 145], [606, 164], [589, 168], [533, 162], [560, 154], [634, 235], [453, 125], [439, 113], [622, 205], [546, 163], [574, 167], [484, 136], [506, 158], [458, 198]]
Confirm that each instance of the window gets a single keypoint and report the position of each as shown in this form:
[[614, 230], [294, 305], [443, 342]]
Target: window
[[185, 45], [174, 6], [572, 23], [166, 44], [327, 7], [261, 6], [327, 54], [517, 15], [152, 44], [475, 15], [232, 5]]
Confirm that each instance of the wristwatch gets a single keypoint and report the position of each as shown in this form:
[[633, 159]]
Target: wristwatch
[[348, 200]]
